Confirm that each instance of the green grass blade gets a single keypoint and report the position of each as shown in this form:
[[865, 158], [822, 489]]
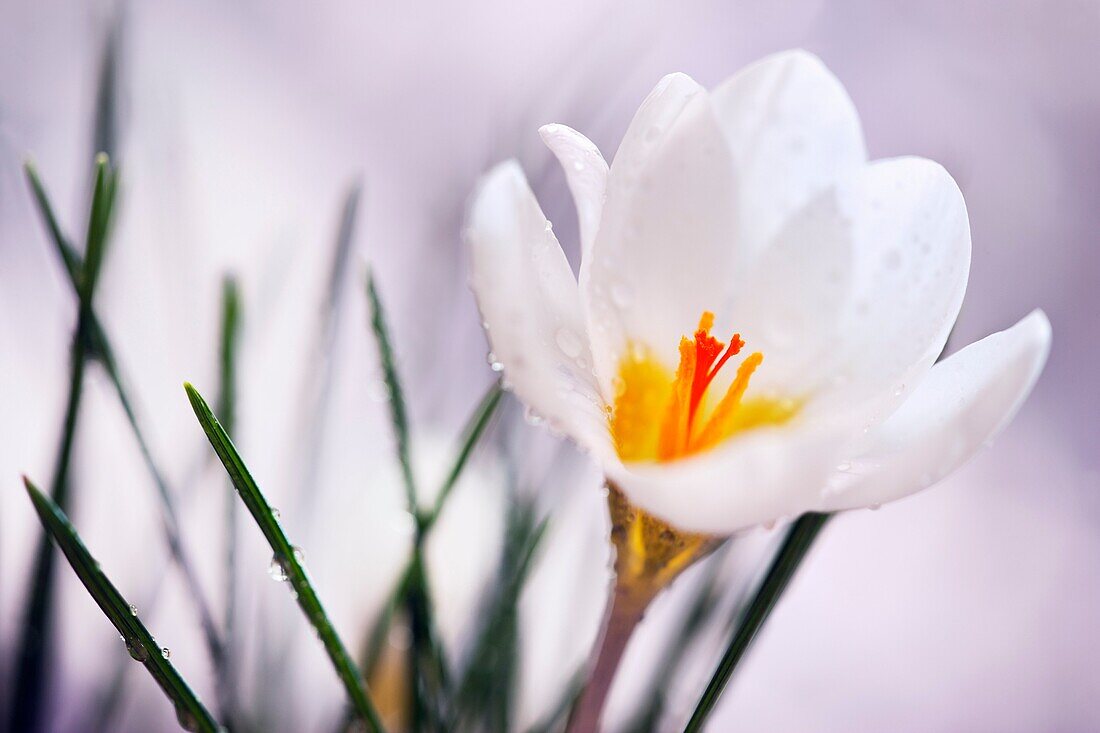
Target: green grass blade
[[398, 413], [37, 615], [227, 413], [190, 712], [487, 687], [786, 561], [475, 428], [287, 558], [72, 260], [97, 344]]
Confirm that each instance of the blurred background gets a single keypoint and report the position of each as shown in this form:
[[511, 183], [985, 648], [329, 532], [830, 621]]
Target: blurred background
[[240, 128]]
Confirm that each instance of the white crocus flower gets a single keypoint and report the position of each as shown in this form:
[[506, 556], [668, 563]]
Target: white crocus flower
[[750, 210]]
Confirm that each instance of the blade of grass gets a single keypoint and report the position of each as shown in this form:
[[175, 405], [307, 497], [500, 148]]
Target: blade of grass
[[397, 395], [30, 660], [312, 414], [190, 712], [227, 413], [783, 566], [287, 558], [98, 345], [487, 687]]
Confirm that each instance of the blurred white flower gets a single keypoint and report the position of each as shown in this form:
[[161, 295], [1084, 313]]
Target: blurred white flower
[[755, 206]]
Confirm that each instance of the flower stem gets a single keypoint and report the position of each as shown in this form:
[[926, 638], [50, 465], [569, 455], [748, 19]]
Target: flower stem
[[787, 559], [649, 555], [627, 609]]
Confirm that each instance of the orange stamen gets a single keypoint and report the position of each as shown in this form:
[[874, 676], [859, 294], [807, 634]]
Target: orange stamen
[[658, 418]]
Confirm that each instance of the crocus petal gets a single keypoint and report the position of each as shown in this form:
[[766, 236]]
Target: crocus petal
[[664, 248], [752, 479], [964, 403], [530, 304], [586, 174], [793, 131], [909, 267]]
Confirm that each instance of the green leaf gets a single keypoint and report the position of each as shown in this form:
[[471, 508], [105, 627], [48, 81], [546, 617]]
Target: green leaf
[[287, 560], [398, 413], [190, 712], [786, 561]]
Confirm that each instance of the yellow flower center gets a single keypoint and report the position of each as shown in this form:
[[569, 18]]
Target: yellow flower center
[[658, 416]]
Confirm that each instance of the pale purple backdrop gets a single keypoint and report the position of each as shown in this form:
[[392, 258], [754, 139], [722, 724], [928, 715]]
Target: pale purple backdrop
[[971, 607]]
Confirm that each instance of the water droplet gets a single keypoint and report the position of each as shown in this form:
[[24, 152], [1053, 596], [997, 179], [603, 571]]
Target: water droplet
[[844, 467], [569, 343], [532, 417], [298, 554], [277, 570], [494, 363], [898, 392], [549, 226], [137, 650], [165, 652], [378, 391], [621, 295], [133, 610], [578, 165], [186, 720]]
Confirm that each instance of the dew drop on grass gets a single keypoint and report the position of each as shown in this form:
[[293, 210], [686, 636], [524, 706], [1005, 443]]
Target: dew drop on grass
[[133, 610], [277, 569], [166, 652], [137, 650], [186, 719]]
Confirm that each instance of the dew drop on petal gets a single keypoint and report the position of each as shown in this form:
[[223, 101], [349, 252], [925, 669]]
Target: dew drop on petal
[[621, 295], [569, 343], [532, 417], [494, 363]]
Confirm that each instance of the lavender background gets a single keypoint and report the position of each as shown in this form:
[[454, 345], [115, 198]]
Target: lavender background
[[970, 607]]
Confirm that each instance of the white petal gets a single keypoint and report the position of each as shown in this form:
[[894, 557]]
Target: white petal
[[910, 261], [664, 249], [793, 131], [756, 478], [586, 174], [964, 403], [529, 301]]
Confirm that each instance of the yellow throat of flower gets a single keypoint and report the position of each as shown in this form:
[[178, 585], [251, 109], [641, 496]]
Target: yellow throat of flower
[[658, 416]]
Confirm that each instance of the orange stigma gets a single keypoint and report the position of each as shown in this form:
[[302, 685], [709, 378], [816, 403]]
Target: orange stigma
[[658, 417]]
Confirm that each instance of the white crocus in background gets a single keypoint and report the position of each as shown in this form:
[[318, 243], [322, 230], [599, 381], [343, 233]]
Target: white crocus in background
[[751, 210]]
